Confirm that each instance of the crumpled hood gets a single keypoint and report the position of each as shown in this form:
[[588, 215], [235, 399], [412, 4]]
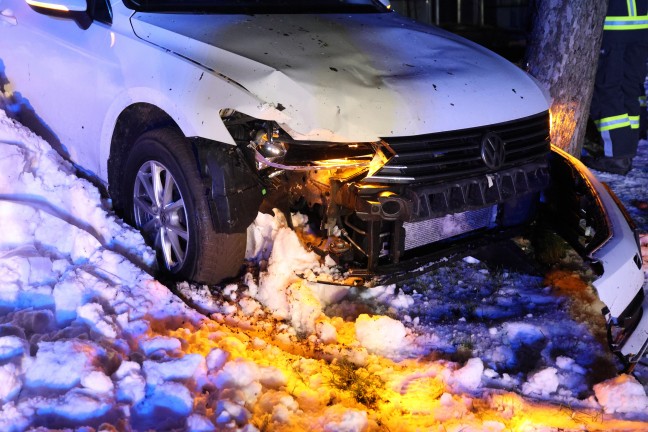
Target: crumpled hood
[[352, 77]]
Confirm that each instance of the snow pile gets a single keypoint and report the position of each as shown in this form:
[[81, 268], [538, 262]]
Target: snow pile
[[283, 288], [73, 305], [280, 288], [622, 394], [38, 185]]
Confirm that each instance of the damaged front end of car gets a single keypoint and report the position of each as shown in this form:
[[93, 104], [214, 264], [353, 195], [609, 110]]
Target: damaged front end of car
[[382, 208], [385, 208]]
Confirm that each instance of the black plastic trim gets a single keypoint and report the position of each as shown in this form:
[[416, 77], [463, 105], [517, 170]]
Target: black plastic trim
[[234, 188], [446, 156]]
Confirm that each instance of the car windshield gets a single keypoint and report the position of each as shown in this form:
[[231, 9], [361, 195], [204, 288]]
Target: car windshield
[[258, 6]]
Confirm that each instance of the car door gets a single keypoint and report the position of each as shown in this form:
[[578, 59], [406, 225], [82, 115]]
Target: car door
[[61, 74]]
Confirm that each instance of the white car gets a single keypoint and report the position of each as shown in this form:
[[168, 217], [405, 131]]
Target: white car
[[402, 142]]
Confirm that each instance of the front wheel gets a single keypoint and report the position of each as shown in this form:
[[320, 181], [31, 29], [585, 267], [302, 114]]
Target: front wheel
[[166, 199]]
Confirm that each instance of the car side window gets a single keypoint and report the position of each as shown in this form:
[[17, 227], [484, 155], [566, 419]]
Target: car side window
[[101, 11]]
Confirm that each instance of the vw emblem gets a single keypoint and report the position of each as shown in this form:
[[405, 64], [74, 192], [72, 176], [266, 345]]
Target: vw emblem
[[493, 152]]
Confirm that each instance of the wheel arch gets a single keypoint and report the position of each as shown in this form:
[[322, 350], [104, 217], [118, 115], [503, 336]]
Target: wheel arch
[[132, 122], [139, 109], [234, 189]]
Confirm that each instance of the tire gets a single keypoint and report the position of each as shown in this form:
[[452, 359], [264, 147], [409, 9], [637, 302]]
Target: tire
[[166, 199]]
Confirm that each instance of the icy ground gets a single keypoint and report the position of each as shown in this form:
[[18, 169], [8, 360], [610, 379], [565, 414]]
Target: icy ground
[[89, 340]]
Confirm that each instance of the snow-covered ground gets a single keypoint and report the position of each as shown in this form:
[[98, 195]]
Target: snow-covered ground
[[89, 340]]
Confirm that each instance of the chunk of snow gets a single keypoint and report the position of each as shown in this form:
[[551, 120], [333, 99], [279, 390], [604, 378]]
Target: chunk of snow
[[471, 260], [388, 295], [165, 406], [77, 405], [271, 377], [328, 294], [261, 234], [280, 289], [622, 394], [326, 332], [381, 334], [216, 359], [94, 316], [237, 373], [11, 346], [523, 333], [175, 369], [304, 307], [11, 382], [159, 343], [542, 383], [14, 419], [350, 421], [569, 364], [469, 376], [98, 382], [61, 364], [199, 423], [227, 411], [130, 384], [241, 376], [279, 404]]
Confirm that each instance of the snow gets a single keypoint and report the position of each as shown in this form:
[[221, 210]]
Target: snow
[[351, 421], [381, 335], [542, 383], [130, 383], [622, 394], [88, 337], [469, 377]]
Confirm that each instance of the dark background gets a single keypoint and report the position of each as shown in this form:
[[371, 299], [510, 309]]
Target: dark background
[[499, 25]]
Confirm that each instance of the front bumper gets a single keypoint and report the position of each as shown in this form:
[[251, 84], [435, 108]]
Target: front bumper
[[617, 258]]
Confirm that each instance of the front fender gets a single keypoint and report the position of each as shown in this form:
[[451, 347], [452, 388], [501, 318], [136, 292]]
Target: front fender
[[193, 102]]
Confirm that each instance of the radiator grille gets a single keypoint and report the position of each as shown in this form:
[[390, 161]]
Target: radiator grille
[[457, 154], [433, 230]]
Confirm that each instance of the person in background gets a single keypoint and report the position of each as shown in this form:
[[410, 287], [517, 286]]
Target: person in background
[[620, 77], [643, 115]]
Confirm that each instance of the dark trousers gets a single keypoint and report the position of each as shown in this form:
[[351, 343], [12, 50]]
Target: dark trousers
[[619, 79]]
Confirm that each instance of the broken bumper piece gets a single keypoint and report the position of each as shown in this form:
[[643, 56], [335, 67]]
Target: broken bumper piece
[[618, 262]]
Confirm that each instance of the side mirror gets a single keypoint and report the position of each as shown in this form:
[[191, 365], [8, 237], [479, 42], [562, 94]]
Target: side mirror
[[59, 5]]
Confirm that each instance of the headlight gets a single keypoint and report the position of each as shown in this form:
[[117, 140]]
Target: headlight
[[274, 148], [268, 147]]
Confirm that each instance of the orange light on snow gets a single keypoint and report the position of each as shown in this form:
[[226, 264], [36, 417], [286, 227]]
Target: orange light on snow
[[410, 395], [413, 394]]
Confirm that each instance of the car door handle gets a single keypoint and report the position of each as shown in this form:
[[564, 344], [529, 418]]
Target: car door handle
[[8, 17]]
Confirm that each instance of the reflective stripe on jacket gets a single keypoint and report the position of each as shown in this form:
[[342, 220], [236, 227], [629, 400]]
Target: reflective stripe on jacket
[[615, 122], [627, 15]]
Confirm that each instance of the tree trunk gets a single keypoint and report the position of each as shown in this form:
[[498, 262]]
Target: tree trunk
[[562, 54]]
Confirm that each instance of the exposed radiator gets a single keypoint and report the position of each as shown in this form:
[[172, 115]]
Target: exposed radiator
[[428, 231]]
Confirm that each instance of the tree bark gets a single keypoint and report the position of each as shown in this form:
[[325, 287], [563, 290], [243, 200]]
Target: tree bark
[[562, 53]]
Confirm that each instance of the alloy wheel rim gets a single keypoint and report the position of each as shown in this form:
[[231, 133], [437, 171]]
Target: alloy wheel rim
[[160, 213]]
